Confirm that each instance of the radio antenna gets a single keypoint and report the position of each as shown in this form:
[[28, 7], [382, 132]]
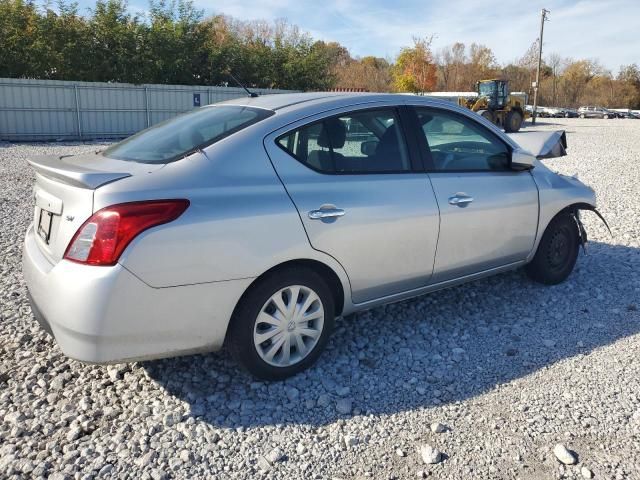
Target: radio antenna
[[249, 92]]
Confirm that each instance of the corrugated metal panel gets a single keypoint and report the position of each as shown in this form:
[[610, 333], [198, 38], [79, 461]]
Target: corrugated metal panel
[[54, 109]]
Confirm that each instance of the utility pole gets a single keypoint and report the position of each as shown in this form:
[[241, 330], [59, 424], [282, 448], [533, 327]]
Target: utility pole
[[543, 17]]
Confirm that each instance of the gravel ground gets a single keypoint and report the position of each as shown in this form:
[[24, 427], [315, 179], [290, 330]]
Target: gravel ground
[[485, 379]]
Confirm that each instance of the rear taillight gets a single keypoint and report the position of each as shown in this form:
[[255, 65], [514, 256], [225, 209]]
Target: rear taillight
[[104, 236]]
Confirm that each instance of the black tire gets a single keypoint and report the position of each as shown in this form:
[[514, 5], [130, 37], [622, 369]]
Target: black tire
[[557, 253], [513, 121], [582, 115], [488, 114], [606, 117], [240, 337]]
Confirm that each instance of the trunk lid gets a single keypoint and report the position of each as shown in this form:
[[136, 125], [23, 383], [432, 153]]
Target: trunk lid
[[63, 194]]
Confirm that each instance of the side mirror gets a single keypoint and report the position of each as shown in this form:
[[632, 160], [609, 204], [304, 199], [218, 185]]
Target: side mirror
[[522, 160], [369, 147]]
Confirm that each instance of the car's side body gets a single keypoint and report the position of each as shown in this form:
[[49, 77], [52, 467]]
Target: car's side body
[[595, 112], [176, 286]]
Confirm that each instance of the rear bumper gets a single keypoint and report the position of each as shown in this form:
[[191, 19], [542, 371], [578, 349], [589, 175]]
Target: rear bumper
[[38, 314], [108, 315]]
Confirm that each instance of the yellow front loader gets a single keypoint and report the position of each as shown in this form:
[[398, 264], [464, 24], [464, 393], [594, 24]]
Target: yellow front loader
[[495, 103]]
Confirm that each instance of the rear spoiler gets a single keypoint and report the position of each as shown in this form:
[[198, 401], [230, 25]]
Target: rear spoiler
[[52, 166], [542, 144]]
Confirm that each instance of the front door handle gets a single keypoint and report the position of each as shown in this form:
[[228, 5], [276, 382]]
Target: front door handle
[[326, 213], [460, 200]]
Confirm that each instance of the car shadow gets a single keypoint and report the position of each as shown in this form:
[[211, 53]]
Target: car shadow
[[443, 347]]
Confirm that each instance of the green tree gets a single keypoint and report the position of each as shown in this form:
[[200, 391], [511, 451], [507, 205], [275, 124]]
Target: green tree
[[114, 45], [172, 43], [18, 30]]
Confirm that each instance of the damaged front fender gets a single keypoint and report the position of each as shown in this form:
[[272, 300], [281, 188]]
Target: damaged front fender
[[582, 233], [557, 193]]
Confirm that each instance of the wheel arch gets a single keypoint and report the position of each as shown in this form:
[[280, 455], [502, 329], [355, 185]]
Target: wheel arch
[[335, 284], [542, 228]]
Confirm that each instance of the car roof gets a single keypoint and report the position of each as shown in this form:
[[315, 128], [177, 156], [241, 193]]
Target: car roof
[[292, 107], [284, 100]]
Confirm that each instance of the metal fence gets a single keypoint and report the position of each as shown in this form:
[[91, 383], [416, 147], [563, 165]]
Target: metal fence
[[60, 110]]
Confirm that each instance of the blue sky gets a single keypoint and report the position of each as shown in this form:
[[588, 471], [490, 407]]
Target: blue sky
[[607, 30]]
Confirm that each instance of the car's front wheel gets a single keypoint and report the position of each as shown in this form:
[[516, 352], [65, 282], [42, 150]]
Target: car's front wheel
[[282, 324], [557, 253], [513, 121]]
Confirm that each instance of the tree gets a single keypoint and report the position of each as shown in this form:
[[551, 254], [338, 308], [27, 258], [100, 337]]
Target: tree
[[174, 43], [452, 60], [575, 79], [415, 70], [629, 85], [371, 74], [517, 76], [555, 62], [18, 28]]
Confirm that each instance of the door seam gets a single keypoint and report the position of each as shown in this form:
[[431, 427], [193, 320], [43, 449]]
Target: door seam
[[300, 218]]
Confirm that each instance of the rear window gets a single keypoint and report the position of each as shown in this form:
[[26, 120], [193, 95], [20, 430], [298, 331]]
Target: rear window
[[184, 134]]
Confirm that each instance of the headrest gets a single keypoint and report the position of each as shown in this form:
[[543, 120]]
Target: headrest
[[333, 133]]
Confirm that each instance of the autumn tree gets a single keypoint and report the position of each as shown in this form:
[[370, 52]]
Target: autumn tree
[[452, 63], [371, 74], [629, 85], [482, 64], [415, 69], [575, 79]]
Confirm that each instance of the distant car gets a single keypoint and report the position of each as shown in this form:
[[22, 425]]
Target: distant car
[[595, 112], [543, 112], [627, 114], [550, 112], [570, 113], [255, 222], [556, 112]]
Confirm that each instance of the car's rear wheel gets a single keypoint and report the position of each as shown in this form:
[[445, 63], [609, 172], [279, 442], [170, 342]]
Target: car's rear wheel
[[557, 253], [282, 324]]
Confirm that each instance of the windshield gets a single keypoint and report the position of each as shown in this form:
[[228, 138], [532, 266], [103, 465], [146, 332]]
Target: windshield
[[182, 135], [487, 88]]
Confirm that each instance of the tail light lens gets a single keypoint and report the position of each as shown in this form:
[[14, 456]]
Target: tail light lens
[[104, 236]]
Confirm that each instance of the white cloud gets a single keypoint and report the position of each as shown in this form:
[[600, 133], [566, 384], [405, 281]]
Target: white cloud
[[600, 29]]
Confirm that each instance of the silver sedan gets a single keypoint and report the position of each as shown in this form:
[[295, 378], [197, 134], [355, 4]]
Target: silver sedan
[[256, 222]]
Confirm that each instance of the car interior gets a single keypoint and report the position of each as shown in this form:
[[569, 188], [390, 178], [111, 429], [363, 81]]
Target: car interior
[[366, 142], [455, 144]]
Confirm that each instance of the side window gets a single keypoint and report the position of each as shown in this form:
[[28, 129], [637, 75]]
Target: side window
[[369, 141], [459, 143]]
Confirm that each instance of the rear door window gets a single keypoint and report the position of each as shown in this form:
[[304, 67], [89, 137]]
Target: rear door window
[[369, 141], [184, 134]]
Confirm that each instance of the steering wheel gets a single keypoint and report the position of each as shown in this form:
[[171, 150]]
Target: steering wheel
[[458, 153]]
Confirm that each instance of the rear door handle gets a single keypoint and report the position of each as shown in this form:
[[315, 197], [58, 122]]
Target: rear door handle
[[326, 213], [460, 200]]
